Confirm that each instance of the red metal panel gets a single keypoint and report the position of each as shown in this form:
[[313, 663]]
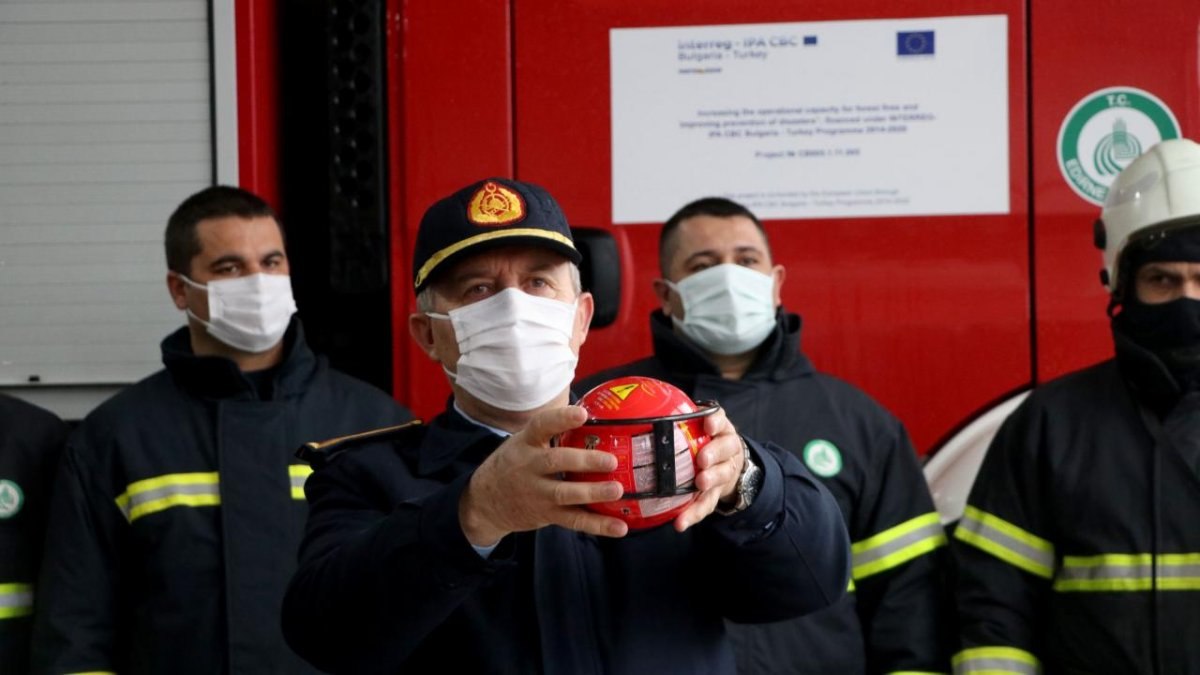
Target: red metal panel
[[450, 108], [258, 97], [930, 315], [1077, 50]]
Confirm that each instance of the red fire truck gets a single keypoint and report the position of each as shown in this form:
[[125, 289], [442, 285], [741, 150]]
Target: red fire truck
[[353, 117]]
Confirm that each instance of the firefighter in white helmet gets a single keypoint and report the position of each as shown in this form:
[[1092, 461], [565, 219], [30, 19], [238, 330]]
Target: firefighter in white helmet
[[1079, 550]]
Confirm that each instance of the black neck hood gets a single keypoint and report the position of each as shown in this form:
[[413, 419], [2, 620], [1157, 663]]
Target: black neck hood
[[219, 377]]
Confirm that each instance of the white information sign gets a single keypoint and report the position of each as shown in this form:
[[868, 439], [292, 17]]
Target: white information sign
[[812, 120]]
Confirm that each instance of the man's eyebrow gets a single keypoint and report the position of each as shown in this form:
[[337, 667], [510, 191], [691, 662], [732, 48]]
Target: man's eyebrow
[[749, 248], [1159, 268], [227, 258], [709, 253], [706, 253], [467, 274], [545, 266]]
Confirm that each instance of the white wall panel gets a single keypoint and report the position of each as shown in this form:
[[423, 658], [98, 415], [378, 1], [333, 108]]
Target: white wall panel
[[106, 122]]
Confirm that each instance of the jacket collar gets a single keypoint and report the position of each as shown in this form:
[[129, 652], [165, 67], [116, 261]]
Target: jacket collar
[[218, 377], [453, 437], [779, 355]]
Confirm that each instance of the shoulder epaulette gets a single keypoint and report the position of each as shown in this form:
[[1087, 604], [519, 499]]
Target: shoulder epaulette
[[319, 453]]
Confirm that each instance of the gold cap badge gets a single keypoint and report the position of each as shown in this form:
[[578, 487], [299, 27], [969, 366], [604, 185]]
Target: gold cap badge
[[494, 204]]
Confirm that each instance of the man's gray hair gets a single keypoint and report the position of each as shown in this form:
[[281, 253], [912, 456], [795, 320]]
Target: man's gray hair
[[425, 299]]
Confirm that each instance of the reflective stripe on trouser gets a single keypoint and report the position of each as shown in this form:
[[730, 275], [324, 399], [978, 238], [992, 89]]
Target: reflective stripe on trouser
[[298, 474], [1006, 541], [16, 600], [1129, 572], [995, 661], [897, 545]]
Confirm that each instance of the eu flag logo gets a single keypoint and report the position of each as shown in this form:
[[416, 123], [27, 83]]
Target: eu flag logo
[[810, 39], [914, 43]]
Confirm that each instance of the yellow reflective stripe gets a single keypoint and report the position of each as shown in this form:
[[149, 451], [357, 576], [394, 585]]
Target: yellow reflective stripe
[[1006, 541], [1121, 572], [916, 672], [1130, 560], [437, 258], [301, 471], [16, 600], [156, 505], [95, 672], [850, 586], [152, 495], [298, 474], [897, 545], [999, 660]]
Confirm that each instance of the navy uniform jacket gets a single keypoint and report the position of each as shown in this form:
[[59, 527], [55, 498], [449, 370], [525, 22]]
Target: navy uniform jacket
[[896, 618], [31, 440], [1079, 550], [388, 583], [178, 512]]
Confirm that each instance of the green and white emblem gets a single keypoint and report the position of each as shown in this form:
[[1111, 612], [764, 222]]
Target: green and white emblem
[[11, 498], [1104, 132], [823, 458]]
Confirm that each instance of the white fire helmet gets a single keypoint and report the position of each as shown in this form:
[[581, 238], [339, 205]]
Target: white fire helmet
[[1157, 194]]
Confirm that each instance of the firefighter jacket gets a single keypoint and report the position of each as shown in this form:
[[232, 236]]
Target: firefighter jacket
[[895, 618], [388, 583], [178, 511], [31, 440], [1079, 548]]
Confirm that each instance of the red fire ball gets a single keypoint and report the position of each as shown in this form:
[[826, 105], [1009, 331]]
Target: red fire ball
[[655, 430]]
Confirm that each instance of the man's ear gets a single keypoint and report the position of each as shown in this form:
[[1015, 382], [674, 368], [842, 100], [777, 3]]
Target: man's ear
[[779, 273], [420, 327], [583, 316], [178, 290], [663, 292]]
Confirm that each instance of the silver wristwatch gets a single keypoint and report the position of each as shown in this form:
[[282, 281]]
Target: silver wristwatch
[[747, 486]]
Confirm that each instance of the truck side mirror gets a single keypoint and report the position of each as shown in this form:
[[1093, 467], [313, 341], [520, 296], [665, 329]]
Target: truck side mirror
[[600, 272]]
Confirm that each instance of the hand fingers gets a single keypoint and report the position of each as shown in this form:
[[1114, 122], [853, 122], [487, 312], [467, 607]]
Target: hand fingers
[[574, 493], [717, 477], [717, 423], [582, 520], [550, 423], [576, 460], [721, 448], [697, 511]]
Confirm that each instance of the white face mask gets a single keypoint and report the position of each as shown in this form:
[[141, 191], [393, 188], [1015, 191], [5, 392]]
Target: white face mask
[[514, 349], [249, 313], [727, 309]]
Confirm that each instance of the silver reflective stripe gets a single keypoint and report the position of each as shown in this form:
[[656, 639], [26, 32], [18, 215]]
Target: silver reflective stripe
[[1129, 572], [1006, 541], [298, 474], [995, 665], [16, 600], [178, 489], [897, 545]]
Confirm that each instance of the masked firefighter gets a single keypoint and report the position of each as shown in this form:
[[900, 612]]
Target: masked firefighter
[[1079, 550]]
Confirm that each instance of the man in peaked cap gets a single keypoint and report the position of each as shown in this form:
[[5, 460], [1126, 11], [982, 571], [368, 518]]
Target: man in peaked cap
[[1078, 551], [456, 547]]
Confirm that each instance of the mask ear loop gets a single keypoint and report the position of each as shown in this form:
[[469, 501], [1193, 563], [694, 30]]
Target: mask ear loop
[[663, 438]]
